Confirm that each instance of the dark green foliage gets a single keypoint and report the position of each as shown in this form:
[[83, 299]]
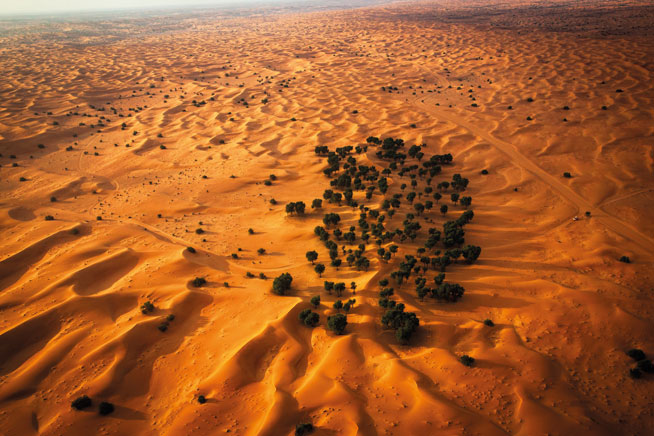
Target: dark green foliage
[[444, 209], [316, 203], [250, 232], [404, 323], [338, 305], [625, 259], [312, 256], [309, 318], [303, 429], [489, 323], [297, 207], [49, 218], [282, 284], [484, 172], [53, 199], [449, 292], [163, 326], [261, 251], [636, 354], [567, 175], [465, 201], [331, 218], [147, 307], [339, 288], [190, 249], [81, 403], [471, 253], [337, 323], [105, 408], [202, 399], [234, 256], [467, 360], [319, 268], [170, 317], [635, 373], [315, 300], [198, 282]]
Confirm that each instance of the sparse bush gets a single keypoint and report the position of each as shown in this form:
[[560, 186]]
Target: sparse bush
[[49, 218], [198, 282], [467, 360], [625, 259], [567, 175], [315, 301], [190, 249], [147, 307], [261, 251], [489, 323]]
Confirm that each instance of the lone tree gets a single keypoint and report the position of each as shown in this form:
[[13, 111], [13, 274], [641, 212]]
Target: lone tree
[[443, 209], [315, 301], [337, 323], [282, 284], [319, 268], [312, 256]]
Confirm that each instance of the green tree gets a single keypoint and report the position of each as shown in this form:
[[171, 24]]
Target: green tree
[[337, 323], [315, 301], [282, 284], [319, 268], [312, 256]]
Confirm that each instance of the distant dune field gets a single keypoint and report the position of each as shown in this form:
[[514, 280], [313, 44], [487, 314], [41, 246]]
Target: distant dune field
[[125, 140]]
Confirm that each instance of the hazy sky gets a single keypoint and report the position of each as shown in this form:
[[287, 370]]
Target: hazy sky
[[11, 7]]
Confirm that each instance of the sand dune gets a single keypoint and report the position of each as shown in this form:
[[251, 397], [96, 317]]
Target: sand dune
[[143, 136]]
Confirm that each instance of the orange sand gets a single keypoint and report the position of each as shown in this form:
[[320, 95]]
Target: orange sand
[[565, 309]]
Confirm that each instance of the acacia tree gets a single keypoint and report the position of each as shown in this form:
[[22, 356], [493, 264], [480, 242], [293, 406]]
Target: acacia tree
[[320, 268]]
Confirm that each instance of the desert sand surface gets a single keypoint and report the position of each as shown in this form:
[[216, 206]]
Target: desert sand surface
[[121, 136]]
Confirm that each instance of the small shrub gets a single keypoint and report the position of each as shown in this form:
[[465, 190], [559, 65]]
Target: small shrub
[[190, 249], [81, 403], [147, 307], [23, 179], [489, 323], [198, 282], [105, 408], [249, 275], [49, 218], [625, 259], [199, 231], [567, 175], [635, 373], [467, 360], [250, 232], [163, 326], [315, 301], [53, 199], [170, 318], [234, 256], [202, 399], [484, 172], [261, 251], [645, 366]]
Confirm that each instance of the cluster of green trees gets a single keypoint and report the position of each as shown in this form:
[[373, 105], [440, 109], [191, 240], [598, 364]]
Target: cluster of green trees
[[376, 226], [296, 207]]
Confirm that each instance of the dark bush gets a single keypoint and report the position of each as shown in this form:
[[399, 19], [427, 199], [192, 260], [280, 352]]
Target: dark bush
[[467, 360], [49, 218], [81, 403], [635, 373], [190, 249], [636, 354], [337, 323], [202, 399], [645, 366], [625, 259], [282, 284], [567, 175], [198, 282], [147, 307], [489, 323]]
